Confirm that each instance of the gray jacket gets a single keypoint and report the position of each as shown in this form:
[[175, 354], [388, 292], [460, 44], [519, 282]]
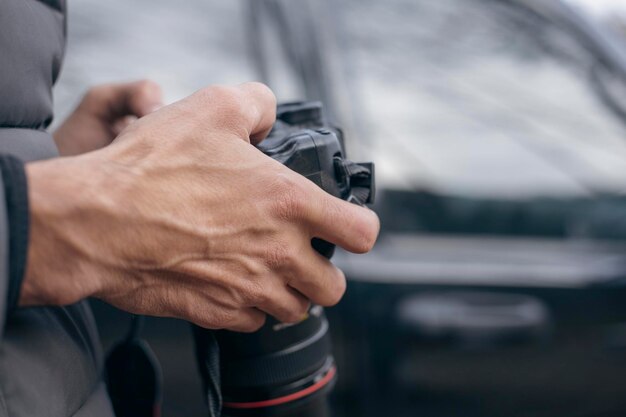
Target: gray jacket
[[50, 358]]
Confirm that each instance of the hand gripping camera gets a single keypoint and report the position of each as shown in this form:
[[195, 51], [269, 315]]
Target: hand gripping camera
[[286, 370]]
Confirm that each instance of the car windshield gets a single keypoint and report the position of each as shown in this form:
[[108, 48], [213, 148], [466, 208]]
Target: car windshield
[[482, 98]]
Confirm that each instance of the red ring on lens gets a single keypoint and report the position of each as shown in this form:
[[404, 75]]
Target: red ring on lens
[[287, 398]]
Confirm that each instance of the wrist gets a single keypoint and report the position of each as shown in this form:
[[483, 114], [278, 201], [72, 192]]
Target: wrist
[[55, 273]]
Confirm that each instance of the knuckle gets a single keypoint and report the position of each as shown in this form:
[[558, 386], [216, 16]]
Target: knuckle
[[96, 95], [255, 294], [226, 99], [336, 290], [292, 316], [182, 305], [280, 255], [290, 200], [254, 324], [214, 92], [210, 93], [261, 90], [203, 321], [290, 257], [225, 318], [227, 108]]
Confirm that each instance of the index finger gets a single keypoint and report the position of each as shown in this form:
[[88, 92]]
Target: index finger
[[348, 225], [247, 110]]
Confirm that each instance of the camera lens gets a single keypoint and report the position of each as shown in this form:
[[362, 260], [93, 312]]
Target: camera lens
[[281, 370]]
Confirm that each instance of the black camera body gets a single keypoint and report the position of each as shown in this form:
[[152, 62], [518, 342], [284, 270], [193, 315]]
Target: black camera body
[[303, 141], [287, 370]]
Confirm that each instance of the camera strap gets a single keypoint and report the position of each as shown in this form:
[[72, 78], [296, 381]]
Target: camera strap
[[133, 376], [358, 179]]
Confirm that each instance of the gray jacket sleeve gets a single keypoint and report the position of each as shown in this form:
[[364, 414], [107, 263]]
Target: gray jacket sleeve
[[4, 258], [14, 224]]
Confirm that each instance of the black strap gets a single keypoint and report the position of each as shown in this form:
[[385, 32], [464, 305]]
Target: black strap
[[134, 377], [208, 355], [358, 179]]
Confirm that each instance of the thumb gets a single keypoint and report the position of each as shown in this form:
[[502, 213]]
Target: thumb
[[141, 97], [111, 102]]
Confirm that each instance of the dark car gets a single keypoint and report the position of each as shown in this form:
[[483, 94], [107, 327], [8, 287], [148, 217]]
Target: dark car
[[496, 288]]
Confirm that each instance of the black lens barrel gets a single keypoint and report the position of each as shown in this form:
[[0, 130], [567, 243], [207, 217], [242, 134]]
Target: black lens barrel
[[274, 366], [287, 370]]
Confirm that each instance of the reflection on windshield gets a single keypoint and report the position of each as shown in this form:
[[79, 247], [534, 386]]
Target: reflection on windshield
[[479, 97]]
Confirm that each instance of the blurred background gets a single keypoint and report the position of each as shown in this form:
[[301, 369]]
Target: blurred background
[[499, 132]]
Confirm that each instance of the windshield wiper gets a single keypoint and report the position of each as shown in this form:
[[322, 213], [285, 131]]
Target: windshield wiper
[[589, 34], [608, 74]]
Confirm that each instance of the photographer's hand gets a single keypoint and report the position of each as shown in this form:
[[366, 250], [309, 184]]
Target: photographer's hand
[[103, 113], [181, 216]]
